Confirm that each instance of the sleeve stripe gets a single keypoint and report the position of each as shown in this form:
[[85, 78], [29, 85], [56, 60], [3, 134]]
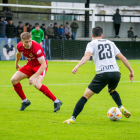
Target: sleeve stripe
[[39, 58]]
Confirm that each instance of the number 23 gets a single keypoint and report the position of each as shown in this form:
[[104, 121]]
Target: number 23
[[103, 55]]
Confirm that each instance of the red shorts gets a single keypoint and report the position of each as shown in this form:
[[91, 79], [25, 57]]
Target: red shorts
[[29, 70]]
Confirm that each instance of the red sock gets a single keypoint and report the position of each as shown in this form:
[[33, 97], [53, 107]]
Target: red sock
[[47, 92], [18, 89]]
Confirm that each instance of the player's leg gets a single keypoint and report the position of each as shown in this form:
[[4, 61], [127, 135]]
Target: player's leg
[[16, 78], [80, 105], [96, 85], [114, 80], [38, 84]]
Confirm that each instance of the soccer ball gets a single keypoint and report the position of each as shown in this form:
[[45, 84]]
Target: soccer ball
[[114, 114]]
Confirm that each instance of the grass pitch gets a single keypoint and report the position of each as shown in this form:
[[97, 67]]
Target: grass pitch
[[39, 122]]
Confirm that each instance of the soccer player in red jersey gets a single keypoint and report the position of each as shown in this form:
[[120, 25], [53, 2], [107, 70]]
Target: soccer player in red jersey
[[37, 66]]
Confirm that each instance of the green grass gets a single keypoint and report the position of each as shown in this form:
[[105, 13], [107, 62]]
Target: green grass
[[39, 122]]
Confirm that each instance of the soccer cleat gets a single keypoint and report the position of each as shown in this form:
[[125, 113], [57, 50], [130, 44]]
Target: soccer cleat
[[126, 113], [69, 121], [24, 105], [57, 106]]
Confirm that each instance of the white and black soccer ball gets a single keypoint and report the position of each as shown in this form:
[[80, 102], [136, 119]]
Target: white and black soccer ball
[[114, 114]]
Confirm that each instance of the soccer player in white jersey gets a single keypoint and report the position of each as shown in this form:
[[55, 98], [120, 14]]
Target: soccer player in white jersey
[[103, 52]]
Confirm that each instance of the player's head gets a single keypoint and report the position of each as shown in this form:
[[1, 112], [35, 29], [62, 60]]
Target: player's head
[[97, 32], [36, 24], [37, 27], [26, 39]]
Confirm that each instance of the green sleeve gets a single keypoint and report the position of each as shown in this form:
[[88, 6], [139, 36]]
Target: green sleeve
[[42, 34]]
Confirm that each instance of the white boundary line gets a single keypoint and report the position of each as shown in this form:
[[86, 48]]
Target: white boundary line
[[70, 84]]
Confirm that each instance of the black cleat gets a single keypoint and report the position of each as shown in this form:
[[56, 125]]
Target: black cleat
[[57, 106], [24, 105]]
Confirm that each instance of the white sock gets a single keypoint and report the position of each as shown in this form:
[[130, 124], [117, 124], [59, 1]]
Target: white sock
[[120, 107], [56, 101], [73, 118], [24, 100]]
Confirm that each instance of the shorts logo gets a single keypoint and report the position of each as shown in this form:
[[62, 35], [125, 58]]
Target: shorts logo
[[39, 52]]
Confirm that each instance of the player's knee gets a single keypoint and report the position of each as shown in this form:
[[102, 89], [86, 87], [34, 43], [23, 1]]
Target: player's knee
[[34, 84], [37, 85], [111, 91], [13, 80]]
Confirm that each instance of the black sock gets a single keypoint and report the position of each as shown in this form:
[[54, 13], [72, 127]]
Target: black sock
[[116, 98], [79, 107]]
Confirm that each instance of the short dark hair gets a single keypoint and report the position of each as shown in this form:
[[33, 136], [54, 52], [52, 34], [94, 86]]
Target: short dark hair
[[20, 22], [55, 23], [131, 28], [36, 24], [97, 31], [67, 23], [27, 24], [74, 19], [43, 24]]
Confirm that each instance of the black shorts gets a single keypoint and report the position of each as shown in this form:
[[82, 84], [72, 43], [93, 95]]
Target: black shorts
[[101, 80]]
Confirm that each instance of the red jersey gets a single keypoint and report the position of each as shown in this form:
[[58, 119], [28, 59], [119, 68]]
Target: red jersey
[[33, 54]]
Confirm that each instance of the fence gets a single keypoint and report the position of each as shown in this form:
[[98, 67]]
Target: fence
[[66, 49]]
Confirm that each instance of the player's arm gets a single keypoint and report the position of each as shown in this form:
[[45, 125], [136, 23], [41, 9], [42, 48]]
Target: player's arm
[[42, 35], [32, 33], [18, 56], [40, 70], [85, 58], [127, 64]]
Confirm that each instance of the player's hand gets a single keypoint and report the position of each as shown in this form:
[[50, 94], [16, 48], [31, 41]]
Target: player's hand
[[41, 43], [75, 69], [18, 66], [131, 76], [31, 80]]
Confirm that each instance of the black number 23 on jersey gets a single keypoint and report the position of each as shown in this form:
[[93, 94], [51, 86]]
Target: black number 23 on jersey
[[104, 54]]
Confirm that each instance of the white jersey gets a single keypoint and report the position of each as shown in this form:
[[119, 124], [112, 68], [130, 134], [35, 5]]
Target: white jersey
[[103, 54]]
